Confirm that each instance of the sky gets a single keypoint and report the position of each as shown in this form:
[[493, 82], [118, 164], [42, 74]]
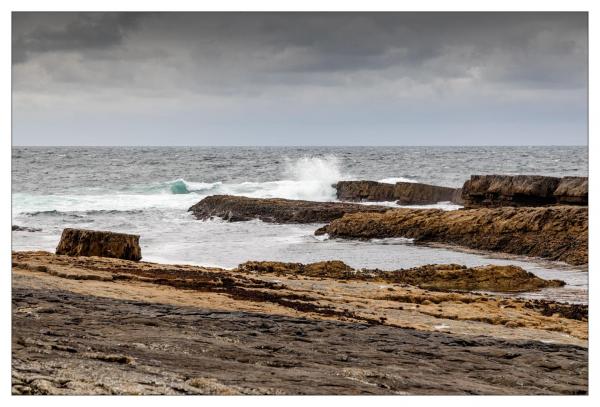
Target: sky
[[299, 78]]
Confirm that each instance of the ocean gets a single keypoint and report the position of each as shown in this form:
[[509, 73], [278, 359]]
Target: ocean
[[147, 191]]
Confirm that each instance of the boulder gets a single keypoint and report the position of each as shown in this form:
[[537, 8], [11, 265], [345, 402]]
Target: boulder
[[405, 193], [275, 210], [81, 242], [572, 191], [552, 232]]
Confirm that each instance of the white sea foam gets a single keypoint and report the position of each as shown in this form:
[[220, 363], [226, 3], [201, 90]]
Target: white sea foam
[[393, 180]]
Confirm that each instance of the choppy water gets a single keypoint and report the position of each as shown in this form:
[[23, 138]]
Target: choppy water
[[147, 191]]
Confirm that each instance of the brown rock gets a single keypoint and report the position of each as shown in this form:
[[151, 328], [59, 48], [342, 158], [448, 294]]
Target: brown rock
[[412, 193], [405, 193], [276, 210], [81, 242], [572, 190], [431, 277], [523, 190], [555, 232]]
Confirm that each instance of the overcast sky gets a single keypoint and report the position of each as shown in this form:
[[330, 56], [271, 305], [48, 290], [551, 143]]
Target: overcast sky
[[299, 78]]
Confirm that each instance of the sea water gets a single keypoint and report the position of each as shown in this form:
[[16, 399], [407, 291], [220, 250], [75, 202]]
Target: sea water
[[148, 190]]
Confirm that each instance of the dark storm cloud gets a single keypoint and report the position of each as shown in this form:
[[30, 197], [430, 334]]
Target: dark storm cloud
[[82, 31], [251, 67]]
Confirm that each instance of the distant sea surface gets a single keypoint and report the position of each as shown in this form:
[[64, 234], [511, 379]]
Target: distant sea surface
[[147, 191]]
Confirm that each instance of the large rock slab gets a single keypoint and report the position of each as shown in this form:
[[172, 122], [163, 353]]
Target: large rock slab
[[275, 210], [572, 190], [552, 232], [405, 193], [523, 190], [82, 242]]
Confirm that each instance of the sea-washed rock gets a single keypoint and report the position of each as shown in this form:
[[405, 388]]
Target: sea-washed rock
[[81, 242], [17, 228], [405, 193], [275, 210], [572, 190], [523, 190], [552, 232]]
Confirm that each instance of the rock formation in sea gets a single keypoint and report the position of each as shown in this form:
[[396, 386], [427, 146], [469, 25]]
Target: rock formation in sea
[[552, 232], [405, 193], [239, 208], [82, 242], [572, 191], [523, 190]]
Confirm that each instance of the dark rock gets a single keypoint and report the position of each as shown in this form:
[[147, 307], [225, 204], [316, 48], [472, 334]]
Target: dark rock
[[276, 210], [572, 190], [405, 193], [523, 190], [17, 228], [81, 242]]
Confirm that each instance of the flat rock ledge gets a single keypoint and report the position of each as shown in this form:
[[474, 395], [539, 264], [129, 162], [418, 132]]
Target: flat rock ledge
[[556, 232], [404, 193], [82, 242], [275, 210], [430, 277], [524, 190]]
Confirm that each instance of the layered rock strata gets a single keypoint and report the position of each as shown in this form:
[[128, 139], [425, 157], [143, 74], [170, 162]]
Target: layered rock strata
[[555, 232], [404, 193]]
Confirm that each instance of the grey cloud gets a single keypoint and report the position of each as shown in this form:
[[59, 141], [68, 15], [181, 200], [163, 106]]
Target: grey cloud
[[81, 32]]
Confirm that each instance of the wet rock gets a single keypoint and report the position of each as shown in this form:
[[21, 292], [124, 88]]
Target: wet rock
[[431, 277], [555, 232], [81, 242], [17, 228], [523, 190], [572, 190], [276, 210], [405, 193]]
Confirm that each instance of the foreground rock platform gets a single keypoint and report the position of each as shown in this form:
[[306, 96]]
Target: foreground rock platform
[[93, 325], [404, 193], [555, 232], [524, 190], [275, 210]]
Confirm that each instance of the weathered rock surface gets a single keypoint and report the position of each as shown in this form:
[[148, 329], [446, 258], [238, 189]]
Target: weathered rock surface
[[92, 325], [572, 190], [555, 232], [276, 210], [405, 193], [82, 242], [431, 277], [523, 190]]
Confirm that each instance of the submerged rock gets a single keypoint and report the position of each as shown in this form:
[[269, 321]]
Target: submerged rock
[[17, 228], [431, 277], [81, 242], [523, 190], [405, 193], [275, 210], [554, 232]]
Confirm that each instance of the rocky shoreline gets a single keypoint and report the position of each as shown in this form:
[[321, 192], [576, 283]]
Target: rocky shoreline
[[96, 325]]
